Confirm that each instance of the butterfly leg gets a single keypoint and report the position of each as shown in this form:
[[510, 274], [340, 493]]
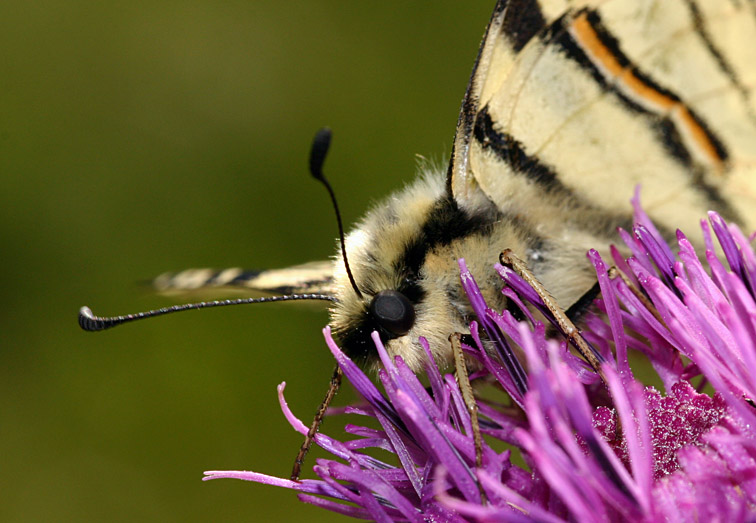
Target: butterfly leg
[[463, 379], [333, 388], [563, 322]]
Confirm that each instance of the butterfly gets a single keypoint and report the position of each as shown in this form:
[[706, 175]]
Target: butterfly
[[571, 106]]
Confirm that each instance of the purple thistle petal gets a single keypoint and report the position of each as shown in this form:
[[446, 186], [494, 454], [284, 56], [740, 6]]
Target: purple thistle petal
[[627, 396], [365, 443], [402, 453], [408, 381], [744, 246], [250, 476], [295, 422], [641, 218], [360, 381], [494, 367], [697, 275], [440, 447], [621, 263], [650, 326], [328, 444], [658, 251], [708, 242], [612, 311], [513, 280], [372, 486], [459, 412], [512, 507], [742, 303], [356, 494], [640, 255], [731, 251], [310, 486], [431, 370], [717, 334], [552, 465], [513, 366], [365, 432], [512, 295], [339, 508]]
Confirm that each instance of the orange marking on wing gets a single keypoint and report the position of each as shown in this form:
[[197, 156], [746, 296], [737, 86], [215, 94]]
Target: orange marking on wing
[[586, 35]]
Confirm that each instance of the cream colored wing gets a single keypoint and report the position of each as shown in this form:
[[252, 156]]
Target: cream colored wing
[[309, 278], [573, 104]]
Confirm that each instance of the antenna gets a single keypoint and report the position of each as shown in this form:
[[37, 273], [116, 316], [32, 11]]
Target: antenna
[[318, 152], [91, 323]]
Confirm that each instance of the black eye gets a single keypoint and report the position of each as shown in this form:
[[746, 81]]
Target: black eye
[[393, 311]]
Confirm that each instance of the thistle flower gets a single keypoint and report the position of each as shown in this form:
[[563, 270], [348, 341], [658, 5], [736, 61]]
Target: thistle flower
[[569, 446]]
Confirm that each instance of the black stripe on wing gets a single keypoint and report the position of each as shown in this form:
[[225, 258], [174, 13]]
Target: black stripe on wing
[[559, 35], [724, 65], [512, 152], [522, 21], [516, 21], [661, 123]]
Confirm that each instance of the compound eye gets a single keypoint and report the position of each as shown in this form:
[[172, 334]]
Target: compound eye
[[393, 311]]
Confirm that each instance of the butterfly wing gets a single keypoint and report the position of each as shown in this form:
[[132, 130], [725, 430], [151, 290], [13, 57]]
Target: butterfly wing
[[571, 105], [308, 278]]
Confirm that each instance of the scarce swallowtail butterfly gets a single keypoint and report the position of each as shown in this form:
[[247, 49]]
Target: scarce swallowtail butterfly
[[571, 106]]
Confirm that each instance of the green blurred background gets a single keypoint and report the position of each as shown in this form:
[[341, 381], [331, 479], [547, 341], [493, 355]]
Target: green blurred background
[[142, 137]]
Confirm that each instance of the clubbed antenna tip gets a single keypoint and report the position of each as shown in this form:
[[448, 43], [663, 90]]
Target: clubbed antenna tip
[[318, 152]]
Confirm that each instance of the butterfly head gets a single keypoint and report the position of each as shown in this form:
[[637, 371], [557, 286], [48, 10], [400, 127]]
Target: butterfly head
[[404, 293]]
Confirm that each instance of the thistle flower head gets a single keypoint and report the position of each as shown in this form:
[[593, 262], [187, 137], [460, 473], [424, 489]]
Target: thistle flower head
[[566, 445]]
